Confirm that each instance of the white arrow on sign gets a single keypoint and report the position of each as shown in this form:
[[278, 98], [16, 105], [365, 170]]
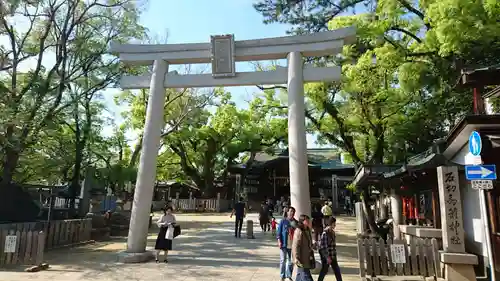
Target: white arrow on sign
[[483, 172]]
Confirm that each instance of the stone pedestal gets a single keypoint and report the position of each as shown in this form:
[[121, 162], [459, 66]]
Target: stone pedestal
[[128, 257], [95, 204], [119, 205], [100, 228], [459, 267], [119, 223], [250, 229]]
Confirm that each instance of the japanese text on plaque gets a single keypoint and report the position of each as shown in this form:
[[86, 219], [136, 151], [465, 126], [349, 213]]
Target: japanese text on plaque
[[453, 210]]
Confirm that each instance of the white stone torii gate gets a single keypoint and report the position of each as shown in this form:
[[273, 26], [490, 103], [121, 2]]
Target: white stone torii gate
[[222, 53]]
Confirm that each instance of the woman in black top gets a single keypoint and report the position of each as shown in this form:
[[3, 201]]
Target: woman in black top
[[317, 222], [264, 217]]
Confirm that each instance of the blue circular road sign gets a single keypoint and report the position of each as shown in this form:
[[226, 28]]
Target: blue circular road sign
[[475, 144]]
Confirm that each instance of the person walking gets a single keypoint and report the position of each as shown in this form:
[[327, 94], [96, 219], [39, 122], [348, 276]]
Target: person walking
[[285, 212], [328, 251], [327, 212], [317, 223], [273, 226], [285, 234], [166, 223], [239, 212], [270, 207], [284, 203], [302, 249], [264, 217]]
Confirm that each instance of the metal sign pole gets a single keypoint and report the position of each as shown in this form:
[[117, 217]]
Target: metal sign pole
[[335, 201], [481, 177], [484, 219]]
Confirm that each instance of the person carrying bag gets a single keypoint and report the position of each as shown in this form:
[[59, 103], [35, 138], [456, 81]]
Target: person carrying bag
[[328, 251], [302, 249]]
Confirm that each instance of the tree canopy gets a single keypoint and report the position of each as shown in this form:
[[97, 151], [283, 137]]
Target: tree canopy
[[54, 69], [400, 89]]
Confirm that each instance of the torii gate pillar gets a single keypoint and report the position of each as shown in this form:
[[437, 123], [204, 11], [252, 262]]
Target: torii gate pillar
[[144, 188], [300, 198]]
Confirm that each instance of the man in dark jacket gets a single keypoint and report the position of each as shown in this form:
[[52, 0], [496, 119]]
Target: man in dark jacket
[[239, 212]]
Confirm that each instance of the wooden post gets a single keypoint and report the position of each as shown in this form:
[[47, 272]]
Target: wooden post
[[217, 203], [40, 248], [177, 201], [360, 218], [436, 216], [396, 213], [458, 264], [250, 229], [415, 207], [274, 183]]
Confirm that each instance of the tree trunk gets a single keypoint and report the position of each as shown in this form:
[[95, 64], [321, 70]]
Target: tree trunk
[[186, 166], [225, 186], [75, 180], [370, 217], [248, 165], [208, 167], [10, 161]]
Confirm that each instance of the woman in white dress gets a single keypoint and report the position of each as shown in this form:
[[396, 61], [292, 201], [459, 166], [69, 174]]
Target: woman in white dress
[[166, 224]]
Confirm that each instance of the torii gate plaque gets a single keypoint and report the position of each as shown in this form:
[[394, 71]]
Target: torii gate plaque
[[223, 52], [222, 55]]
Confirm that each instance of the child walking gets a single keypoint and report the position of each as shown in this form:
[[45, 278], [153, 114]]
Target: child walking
[[273, 227], [328, 251]]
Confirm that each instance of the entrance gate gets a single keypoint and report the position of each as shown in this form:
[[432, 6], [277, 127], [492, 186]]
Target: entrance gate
[[223, 53]]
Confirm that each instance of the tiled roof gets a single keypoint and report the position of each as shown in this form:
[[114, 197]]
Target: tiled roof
[[325, 158]]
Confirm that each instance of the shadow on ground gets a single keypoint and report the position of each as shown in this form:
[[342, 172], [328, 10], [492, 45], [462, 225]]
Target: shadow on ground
[[205, 249]]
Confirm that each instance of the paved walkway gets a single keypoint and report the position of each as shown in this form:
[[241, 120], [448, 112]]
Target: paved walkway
[[207, 250]]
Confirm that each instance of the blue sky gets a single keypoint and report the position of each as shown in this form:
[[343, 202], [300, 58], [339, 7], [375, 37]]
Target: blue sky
[[193, 21]]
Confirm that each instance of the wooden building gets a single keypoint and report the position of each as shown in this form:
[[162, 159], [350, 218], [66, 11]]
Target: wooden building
[[416, 183], [268, 176], [457, 151], [413, 187], [168, 189]]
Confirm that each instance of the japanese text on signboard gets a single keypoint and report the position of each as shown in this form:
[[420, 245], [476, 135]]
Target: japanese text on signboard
[[10, 244], [453, 208], [398, 253]]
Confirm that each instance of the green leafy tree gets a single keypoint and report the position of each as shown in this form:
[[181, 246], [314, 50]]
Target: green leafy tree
[[208, 143], [409, 96], [180, 106], [68, 41]]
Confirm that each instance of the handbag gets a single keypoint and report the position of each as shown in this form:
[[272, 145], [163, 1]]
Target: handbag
[[312, 260], [177, 230]]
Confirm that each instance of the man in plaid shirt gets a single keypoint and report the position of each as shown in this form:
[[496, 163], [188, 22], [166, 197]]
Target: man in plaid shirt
[[328, 251]]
